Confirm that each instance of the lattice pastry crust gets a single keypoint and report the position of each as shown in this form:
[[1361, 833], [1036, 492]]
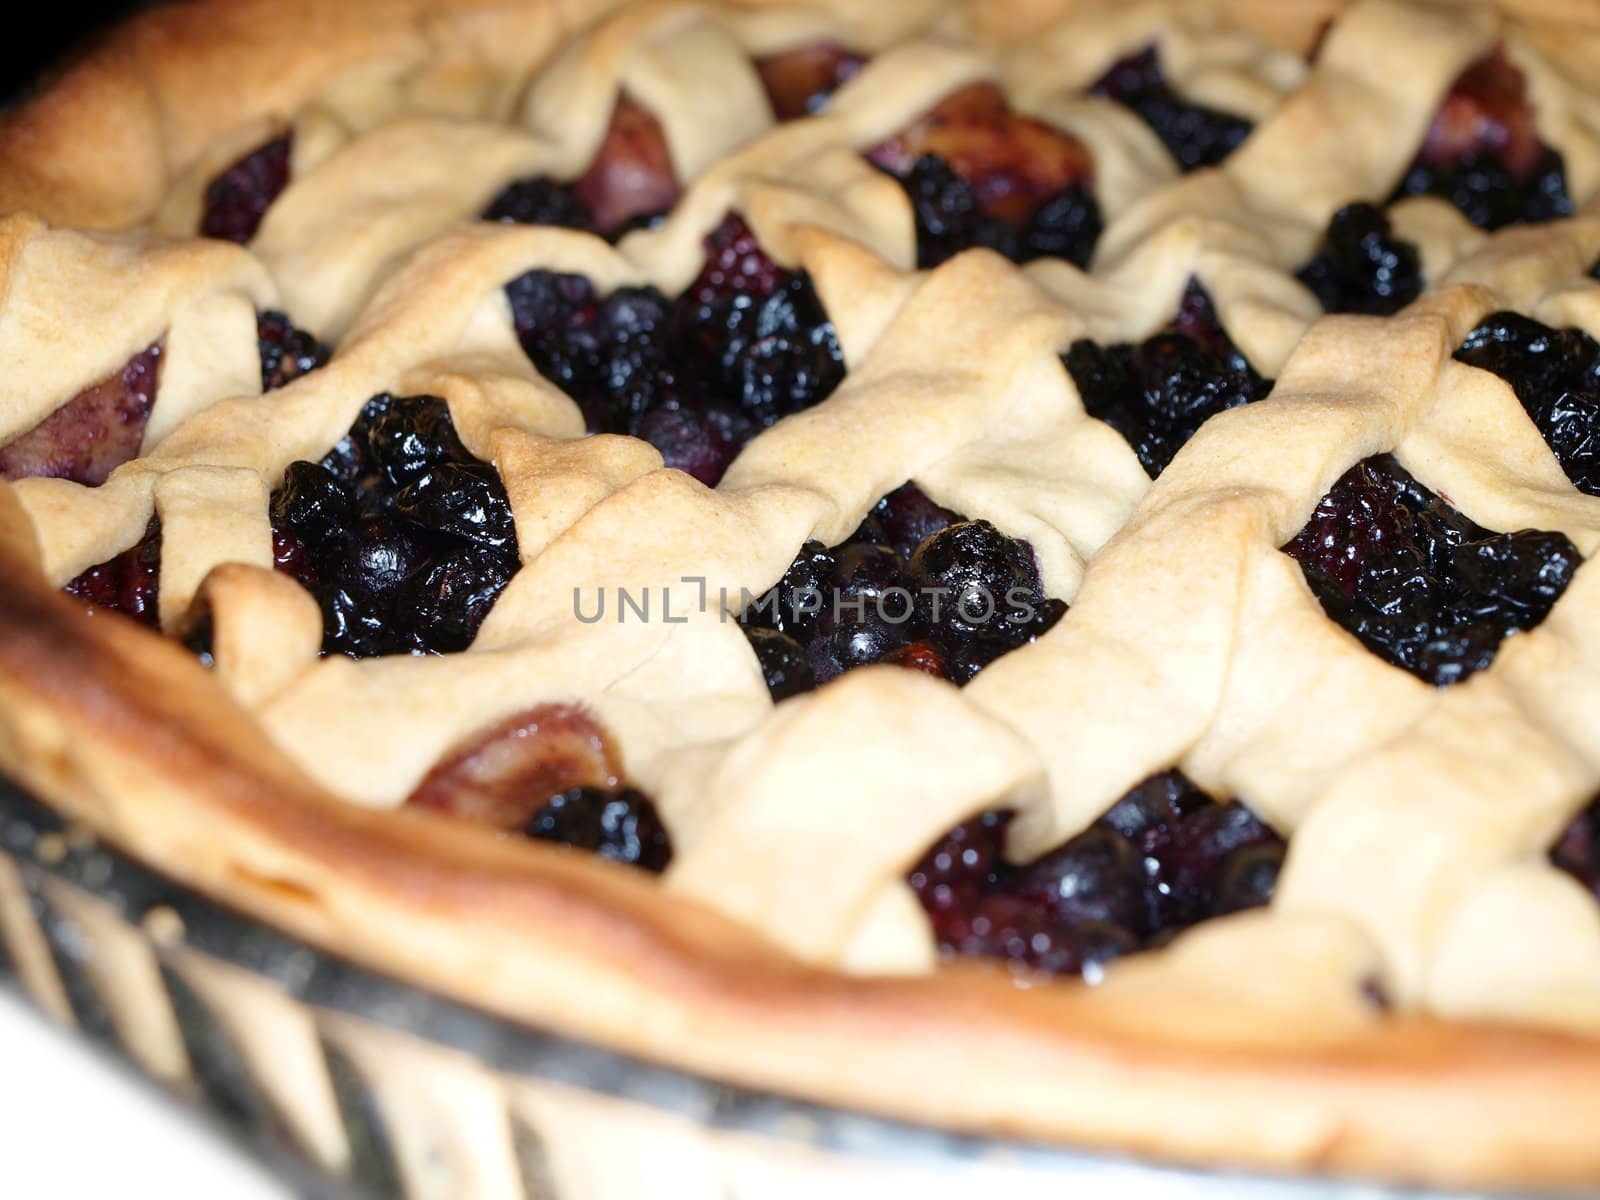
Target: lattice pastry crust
[[1191, 641]]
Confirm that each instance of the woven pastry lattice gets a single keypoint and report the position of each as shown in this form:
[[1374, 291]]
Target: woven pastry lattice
[[1420, 816]]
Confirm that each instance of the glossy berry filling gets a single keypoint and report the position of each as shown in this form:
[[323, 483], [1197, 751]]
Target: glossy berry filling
[[1158, 393], [800, 81], [550, 773], [286, 352], [620, 824], [1419, 584], [1195, 136], [127, 582], [980, 175], [1483, 153], [238, 198], [95, 432], [916, 585], [1556, 375], [1163, 858], [405, 539], [1360, 267], [629, 183], [747, 344]]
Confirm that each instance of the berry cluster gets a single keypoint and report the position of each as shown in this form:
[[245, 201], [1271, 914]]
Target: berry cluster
[[1158, 393], [1360, 267], [404, 538], [1163, 858], [1556, 375], [1195, 136], [1417, 582], [916, 585], [747, 344]]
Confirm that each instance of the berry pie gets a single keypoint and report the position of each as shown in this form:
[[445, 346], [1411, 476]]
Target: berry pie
[[1019, 567]]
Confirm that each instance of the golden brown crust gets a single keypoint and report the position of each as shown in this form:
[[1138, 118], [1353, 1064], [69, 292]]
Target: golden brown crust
[[122, 731]]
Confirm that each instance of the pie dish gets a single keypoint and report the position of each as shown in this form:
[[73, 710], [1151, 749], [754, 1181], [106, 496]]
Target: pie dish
[[1018, 568]]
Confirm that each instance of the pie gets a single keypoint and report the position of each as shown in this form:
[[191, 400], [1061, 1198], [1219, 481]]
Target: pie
[[1016, 567]]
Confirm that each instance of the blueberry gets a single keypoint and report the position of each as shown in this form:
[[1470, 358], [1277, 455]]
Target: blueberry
[[286, 352], [907, 517], [783, 660], [1417, 582], [464, 500], [1159, 392], [805, 593], [1095, 876], [689, 441], [1249, 877], [968, 575], [443, 602], [1159, 801], [620, 825], [1360, 267], [1555, 374], [412, 435], [1187, 862], [376, 559], [313, 504]]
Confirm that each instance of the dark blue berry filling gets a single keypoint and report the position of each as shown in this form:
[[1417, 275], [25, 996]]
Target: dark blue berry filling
[[745, 346], [1483, 153], [1195, 136], [950, 219], [916, 585], [1163, 858], [550, 773], [286, 352], [238, 198], [1360, 267], [1556, 375], [978, 174], [404, 538], [1419, 584], [620, 824], [1158, 393], [1488, 193], [630, 184]]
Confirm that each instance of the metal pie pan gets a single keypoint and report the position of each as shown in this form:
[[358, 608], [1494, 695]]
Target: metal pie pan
[[353, 1084]]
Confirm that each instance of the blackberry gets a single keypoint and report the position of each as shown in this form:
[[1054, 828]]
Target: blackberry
[[950, 218], [539, 201], [127, 582], [238, 198], [1488, 194]]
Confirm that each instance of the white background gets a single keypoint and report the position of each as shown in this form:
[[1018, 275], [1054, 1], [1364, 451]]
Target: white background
[[74, 1124]]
